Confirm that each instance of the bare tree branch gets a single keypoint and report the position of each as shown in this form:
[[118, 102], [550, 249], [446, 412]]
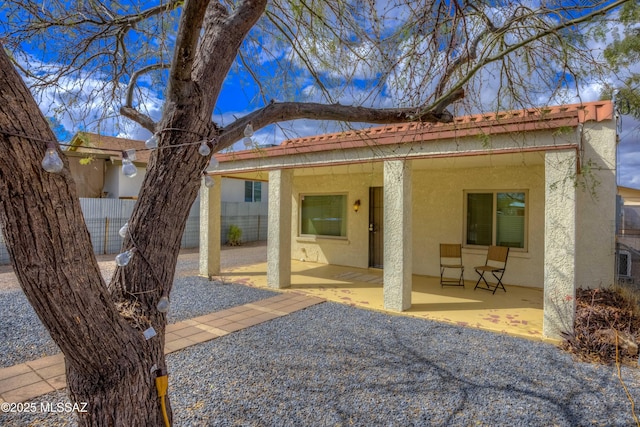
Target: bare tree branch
[[514, 47], [186, 46], [128, 110], [134, 79], [278, 112], [142, 119]]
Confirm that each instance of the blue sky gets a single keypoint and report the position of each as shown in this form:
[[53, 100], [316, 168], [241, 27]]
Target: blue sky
[[78, 105]]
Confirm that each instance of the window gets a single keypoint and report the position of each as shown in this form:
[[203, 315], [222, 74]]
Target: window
[[624, 263], [324, 215], [496, 218], [252, 191]]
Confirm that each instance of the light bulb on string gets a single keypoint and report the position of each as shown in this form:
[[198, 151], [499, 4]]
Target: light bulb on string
[[213, 163], [128, 168], [163, 304], [123, 258], [248, 142], [123, 230], [52, 162], [208, 180], [152, 142], [248, 130], [204, 148]]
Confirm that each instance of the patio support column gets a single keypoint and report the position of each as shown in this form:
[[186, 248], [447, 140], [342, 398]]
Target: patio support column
[[209, 264], [398, 239], [559, 243], [279, 229]]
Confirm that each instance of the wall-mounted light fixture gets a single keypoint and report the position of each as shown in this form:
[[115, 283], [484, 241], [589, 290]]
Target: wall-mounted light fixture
[[356, 205]]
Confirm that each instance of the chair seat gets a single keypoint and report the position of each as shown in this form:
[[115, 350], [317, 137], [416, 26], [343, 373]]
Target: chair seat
[[488, 268], [452, 265]]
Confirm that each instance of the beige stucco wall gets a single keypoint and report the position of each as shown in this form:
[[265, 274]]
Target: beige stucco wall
[[439, 217], [438, 200], [352, 251], [596, 205]]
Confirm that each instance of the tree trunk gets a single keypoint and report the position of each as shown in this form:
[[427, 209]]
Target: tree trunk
[[108, 360]]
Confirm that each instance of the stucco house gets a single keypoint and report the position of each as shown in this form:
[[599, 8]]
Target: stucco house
[[541, 181], [97, 173], [101, 177]]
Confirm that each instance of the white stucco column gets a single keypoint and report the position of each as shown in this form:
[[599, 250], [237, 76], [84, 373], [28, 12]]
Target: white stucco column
[[559, 243], [279, 233], [398, 239], [210, 229]]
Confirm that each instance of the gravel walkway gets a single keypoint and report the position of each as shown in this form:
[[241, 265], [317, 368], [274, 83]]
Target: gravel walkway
[[334, 365]]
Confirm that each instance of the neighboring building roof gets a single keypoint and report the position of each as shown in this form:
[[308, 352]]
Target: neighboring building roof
[[631, 196], [547, 118], [86, 142]]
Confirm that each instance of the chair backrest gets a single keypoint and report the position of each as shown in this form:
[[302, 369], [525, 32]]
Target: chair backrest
[[449, 250], [497, 256]]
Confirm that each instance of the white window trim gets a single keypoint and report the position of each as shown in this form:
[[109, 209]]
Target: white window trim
[[322, 236], [494, 217]]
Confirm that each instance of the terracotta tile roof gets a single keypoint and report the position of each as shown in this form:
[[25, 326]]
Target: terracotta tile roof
[[479, 124], [84, 142], [595, 111]]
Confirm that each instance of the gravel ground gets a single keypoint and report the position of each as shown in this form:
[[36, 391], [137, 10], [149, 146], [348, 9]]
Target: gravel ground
[[334, 365], [23, 337]]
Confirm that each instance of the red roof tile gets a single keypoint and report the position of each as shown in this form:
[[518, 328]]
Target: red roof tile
[[488, 123]]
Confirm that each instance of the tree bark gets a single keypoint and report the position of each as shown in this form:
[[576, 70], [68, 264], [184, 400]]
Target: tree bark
[[107, 358]]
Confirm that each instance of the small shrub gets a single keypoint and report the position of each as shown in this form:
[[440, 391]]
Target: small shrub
[[234, 235]]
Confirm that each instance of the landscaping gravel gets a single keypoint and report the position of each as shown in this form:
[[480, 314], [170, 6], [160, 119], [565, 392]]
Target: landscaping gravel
[[335, 365], [23, 337]]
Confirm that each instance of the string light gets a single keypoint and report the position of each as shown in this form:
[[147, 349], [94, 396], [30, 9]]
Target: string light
[[248, 133], [204, 149], [128, 168], [163, 304], [213, 163], [123, 230], [52, 162], [152, 142], [123, 258], [208, 180]]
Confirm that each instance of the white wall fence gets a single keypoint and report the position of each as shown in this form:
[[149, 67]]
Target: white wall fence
[[105, 217], [250, 217]]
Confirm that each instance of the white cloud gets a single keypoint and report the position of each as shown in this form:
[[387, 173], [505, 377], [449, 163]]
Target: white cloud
[[89, 102]]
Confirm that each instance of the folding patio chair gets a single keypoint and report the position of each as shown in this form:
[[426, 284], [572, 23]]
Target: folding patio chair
[[495, 264], [451, 258]]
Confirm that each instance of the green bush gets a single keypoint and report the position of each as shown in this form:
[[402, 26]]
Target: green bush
[[234, 235]]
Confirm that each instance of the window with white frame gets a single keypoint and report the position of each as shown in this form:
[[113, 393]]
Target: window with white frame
[[323, 215], [496, 218]]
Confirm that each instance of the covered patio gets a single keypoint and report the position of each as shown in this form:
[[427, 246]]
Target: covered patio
[[518, 312], [358, 216]]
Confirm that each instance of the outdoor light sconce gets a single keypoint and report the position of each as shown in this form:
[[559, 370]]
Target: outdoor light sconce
[[356, 205]]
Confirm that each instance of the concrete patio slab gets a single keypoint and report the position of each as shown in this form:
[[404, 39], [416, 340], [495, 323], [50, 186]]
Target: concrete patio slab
[[518, 311]]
